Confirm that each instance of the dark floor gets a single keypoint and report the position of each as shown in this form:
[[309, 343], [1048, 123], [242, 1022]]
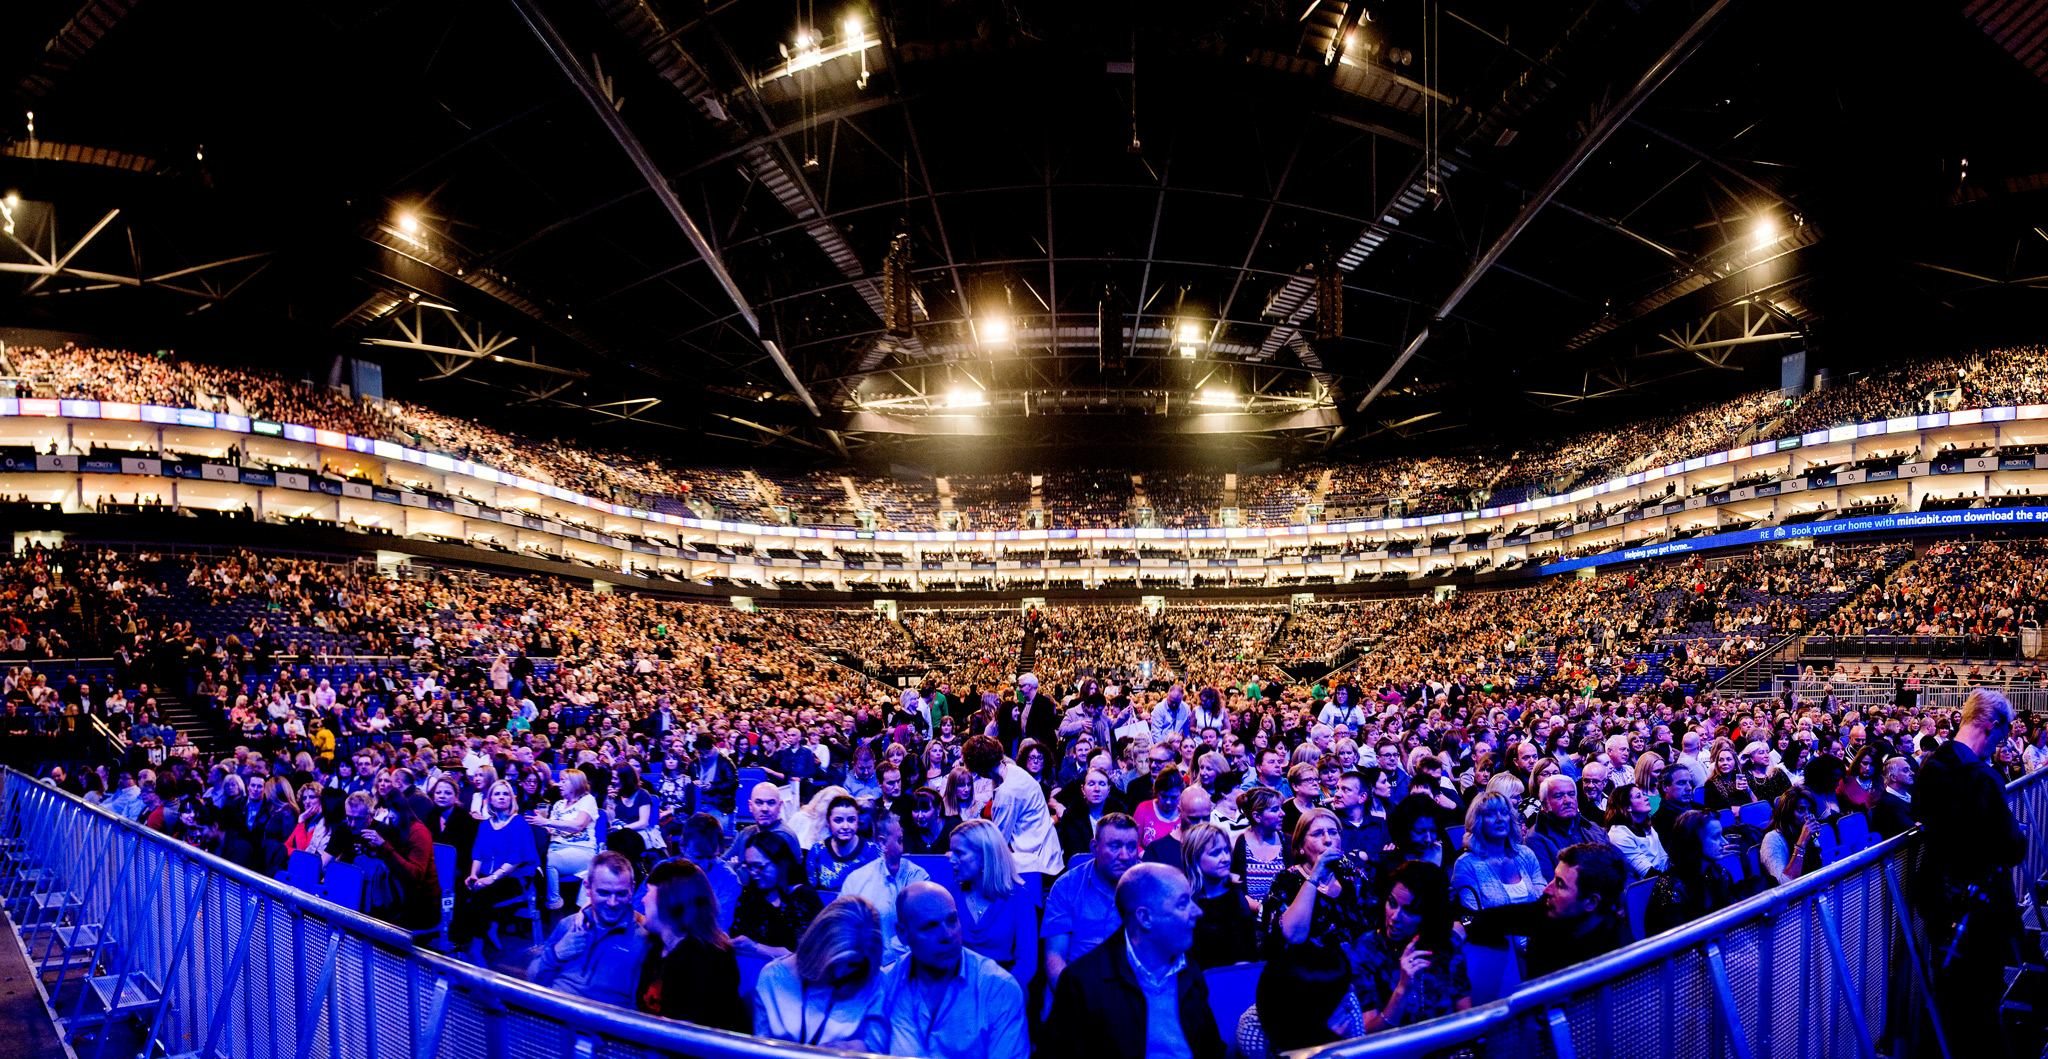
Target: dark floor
[[25, 1028]]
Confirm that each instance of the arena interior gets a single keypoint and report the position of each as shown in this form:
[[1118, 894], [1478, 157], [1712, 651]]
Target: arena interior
[[982, 529]]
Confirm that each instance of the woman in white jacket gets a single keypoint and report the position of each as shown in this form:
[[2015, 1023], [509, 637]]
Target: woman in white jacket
[[1628, 827]]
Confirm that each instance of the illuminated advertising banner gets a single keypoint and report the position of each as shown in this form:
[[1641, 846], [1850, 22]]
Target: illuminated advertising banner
[[1966, 519]]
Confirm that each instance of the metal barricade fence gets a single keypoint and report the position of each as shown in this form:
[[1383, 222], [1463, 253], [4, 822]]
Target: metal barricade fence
[[1835, 964], [214, 960]]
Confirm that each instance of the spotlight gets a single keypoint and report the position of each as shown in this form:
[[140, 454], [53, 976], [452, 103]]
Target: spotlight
[[965, 398], [853, 27], [1766, 231], [995, 329], [407, 224], [1190, 339]]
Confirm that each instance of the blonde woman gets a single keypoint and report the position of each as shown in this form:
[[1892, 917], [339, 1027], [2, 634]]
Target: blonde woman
[[1498, 868], [501, 857], [572, 839], [825, 993], [997, 916], [1224, 934]]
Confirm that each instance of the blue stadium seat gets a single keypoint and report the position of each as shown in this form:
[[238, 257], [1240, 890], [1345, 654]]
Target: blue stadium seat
[[750, 972], [1638, 898], [1494, 973], [302, 871], [1756, 815], [344, 885], [937, 865], [1852, 833], [1232, 989]]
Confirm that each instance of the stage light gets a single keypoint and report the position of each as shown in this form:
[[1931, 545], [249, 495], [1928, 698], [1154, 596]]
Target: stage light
[[995, 329], [1190, 339], [803, 40], [1766, 231], [965, 398], [853, 26], [407, 224], [1222, 398]]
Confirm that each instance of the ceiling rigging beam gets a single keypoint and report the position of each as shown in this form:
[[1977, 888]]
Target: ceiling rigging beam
[[1687, 44], [1713, 161], [595, 96]]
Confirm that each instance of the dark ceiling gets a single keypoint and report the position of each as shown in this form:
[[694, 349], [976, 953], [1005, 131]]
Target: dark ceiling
[[1597, 211]]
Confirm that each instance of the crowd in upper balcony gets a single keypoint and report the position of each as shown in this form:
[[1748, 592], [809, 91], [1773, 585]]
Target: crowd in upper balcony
[[1402, 486]]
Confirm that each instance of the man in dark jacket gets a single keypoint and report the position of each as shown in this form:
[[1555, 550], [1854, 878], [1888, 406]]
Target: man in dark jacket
[[1578, 917], [1965, 890], [1137, 996], [1893, 813], [1559, 823], [1041, 719]]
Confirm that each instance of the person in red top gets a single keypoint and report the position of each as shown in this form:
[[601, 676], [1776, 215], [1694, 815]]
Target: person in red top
[[390, 841]]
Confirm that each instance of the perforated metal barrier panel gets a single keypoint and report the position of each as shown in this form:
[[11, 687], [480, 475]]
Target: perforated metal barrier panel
[[214, 960], [218, 961]]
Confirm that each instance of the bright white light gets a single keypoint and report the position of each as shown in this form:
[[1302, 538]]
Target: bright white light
[[803, 40], [965, 398], [1191, 332], [1216, 397], [407, 224], [995, 329], [853, 26], [1766, 231], [13, 200]]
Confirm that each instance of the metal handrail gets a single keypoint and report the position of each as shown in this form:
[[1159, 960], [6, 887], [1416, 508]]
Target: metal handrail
[[1552, 990], [578, 1014], [1767, 655]]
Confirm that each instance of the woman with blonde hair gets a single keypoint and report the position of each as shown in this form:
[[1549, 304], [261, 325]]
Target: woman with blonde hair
[[1649, 769], [1224, 933], [572, 838], [501, 858], [998, 917], [827, 991], [1498, 868]]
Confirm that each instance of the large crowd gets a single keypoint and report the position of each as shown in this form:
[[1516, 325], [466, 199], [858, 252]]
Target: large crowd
[[1485, 784], [1405, 485]]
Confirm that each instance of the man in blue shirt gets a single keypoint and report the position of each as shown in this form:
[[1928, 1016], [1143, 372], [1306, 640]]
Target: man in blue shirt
[[596, 953], [1080, 909], [945, 1001]]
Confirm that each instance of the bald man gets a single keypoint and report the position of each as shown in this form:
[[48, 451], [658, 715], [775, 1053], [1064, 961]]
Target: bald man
[[1137, 996], [765, 803], [945, 1001]]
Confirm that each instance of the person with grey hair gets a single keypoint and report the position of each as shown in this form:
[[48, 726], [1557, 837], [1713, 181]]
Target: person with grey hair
[[1041, 720], [1137, 994], [1893, 813], [1559, 823], [1965, 888]]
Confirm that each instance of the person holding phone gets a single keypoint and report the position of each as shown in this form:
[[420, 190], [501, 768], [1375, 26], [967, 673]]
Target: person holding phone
[[1410, 967]]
